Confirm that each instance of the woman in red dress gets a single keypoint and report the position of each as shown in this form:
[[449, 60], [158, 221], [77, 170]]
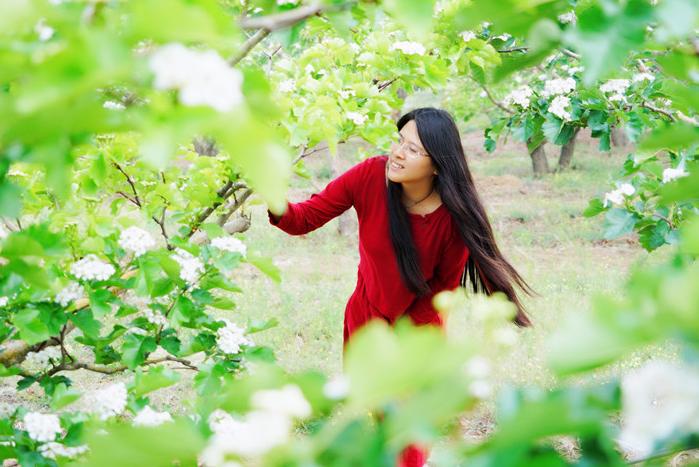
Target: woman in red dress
[[422, 230]]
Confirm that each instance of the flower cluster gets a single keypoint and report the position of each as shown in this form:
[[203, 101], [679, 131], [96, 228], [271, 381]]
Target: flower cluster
[[4, 301], [110, 401], [92, 268], [558, 86], [202, 77], [52, 450], [615, 87], [42, 427], [409, 48], [230, 244], [357, 117], [645, 76], [113, 105], [43, 358], [266, 427], [520, 96], [617, 196], [658, 399], [191, 267], [230, 337], [478, 369], [149, 417], [558, 107], [71, 292], [287, 85], [136, 240], [467, 35], [154, 317], [337, 388], [671, 174], [568, 18]]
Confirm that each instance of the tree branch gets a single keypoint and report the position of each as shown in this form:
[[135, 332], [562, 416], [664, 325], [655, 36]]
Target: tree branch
[[235, 206], [135, 199], [281, 20], [110, 370], [648, 106], [224, 193], [570, 53], [248, 45], [493, 100]]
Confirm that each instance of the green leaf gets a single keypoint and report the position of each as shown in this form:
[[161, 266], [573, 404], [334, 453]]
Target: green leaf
[[654, 236], [618, 222], [86, 322], [258, 325], [266, 265], [136, 348], [416, 17], [676, 136], [594, 207], [31, 329], [100, 300], [63, 396], [156, 377], [10, 199]]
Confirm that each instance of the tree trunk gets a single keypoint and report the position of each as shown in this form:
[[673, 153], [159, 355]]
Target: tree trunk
[[619, 137], [539, 162], [567, 151]]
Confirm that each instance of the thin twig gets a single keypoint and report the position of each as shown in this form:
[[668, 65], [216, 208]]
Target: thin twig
[[383, 86], [570, 53], [493, 100], [130, 181], [513, 49], [248, 45], [648, 106], [281, 20], [223, 194]]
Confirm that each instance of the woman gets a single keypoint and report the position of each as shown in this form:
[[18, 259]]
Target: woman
[[422, 229]]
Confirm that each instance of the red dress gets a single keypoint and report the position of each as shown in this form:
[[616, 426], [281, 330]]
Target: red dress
[[380, 292]]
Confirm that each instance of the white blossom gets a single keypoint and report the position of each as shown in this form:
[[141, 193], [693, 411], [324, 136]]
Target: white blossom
[[52, 450], [230, 244], [506, 336], [191, 267], [357, 117], [309, 68], [287, 2], [42, 427], [288, 401], [154, 317], [658, 399], [230, 337], [4, 301], [567, 18], [337, 388], [71, 292], [519, 96], [467, 35], [43, 30], [480, 388], [645, 76], [43, 358], [287, 85], [113, 105], [617, 196], [575, 69], [92, 268], [201, 77], [558, 86], [616, 87], [409, 48], [346, 93], [150, 417], [558, 107], [136, 240], [109, 401], [478, 367], [671, 174]]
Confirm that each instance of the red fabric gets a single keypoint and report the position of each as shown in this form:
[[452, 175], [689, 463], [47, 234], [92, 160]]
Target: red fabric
[[380, 292], [412, 456]]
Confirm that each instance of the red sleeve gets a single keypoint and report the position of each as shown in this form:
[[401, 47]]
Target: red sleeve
[[446, 277], [337, 197]]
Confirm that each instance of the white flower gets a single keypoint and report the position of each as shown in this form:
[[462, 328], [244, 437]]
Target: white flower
[[202, 77], [478, 367], [288, 401], [346, 93], [557, 86], [617, 196], [617, 87], [44, 31], [154, 317], [42, 427], [671, 174], [480, 389], [191, 267], [519, 96], [558, 107], [658, 399], [4, 301], [252, 436], [506, 336], [287, 85], [92, 268], [150, 417], [231, 244], [52, 450], [566, 18], [309, 68], [645, 76], [467, 35], [113, 105], [337, 388], [230, 337], [287, 2], [575, 69], [43, 358], [409, 48], [136, 240], [3, 231], [73, 291], [110, 401], [357, 117]]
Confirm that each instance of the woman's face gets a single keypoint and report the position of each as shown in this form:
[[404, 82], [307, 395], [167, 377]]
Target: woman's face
[[408, 161]]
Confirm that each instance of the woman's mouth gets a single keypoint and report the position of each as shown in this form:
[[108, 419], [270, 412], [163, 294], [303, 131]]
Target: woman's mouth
[[395, 166]]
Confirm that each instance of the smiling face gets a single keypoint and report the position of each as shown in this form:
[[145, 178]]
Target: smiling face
[[408, 160]]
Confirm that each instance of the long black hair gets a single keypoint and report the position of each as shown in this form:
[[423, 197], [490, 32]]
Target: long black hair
[[486, 269]]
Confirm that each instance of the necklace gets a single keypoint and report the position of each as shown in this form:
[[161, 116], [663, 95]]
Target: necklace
[[423, 199]]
